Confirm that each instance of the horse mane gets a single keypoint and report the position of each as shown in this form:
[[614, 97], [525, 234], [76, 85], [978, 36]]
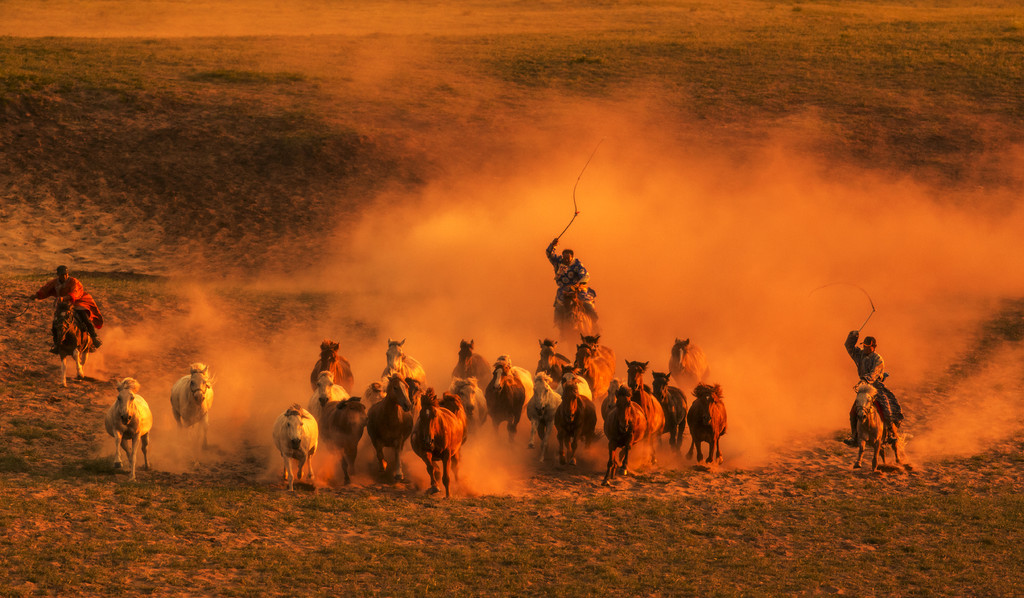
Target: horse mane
[[430, 398], [198, 368], [129, 383], [328, 345], [295, 409], [502, 360], [712, 391]]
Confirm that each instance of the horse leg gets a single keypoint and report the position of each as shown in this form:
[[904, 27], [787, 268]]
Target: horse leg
[[205, 429], [445, 462], [309, 470], [610, 470], [700, 453], [874, 458], [718, 449], [288, 473], [131, 458], [80, 364], [689, 453], [624, 470], [117, 451], [574, 442], [533, 431], [63, 370], [542, 434], [348, 462], [145, 450], [860, 452], [400, 474]]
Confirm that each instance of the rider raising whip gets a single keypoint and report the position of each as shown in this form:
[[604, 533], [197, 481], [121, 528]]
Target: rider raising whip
[[571, 277]]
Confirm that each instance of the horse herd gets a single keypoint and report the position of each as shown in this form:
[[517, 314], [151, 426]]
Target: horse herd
[[563, 395]]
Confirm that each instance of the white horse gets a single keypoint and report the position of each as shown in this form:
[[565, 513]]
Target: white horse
[[129, 418], [191, 398], [541, 411], [296, 435], [326, 391], [403, 365], [472, 398]]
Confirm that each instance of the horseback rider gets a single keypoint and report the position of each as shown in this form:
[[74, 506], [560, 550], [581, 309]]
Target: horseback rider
[[871, 369], [69, 290], [571, 276]]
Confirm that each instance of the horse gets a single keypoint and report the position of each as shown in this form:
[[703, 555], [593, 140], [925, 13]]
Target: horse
[[707, 420], [575, 419], [573, 315], [191, 399], [551, 362], [129, 418], [438, 436], [325, 392], [389, 423], [71, 341], [609, 398], [470, 364], [652, 408], [596, 363], [687, 365], [541, 410], [506, 394], [374, 393], [673, 403], [870, 427], [472, 400], [296, 436], [401, 364], [330, 361], [342, 423], [624, 427]]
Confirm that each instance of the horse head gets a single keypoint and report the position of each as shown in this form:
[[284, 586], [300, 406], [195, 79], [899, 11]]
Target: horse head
[[865, 401], [465, 351], [590, 340], [126, 390], [328, 352], [680, 347], [324, 382], [398, 391], [64, 319], [584, 352], [395, 354], [661, 380], [635, 371], [706, 395], [200, 383]]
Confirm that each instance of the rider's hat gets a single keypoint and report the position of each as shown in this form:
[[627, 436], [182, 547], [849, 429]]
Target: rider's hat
[[869, 341]]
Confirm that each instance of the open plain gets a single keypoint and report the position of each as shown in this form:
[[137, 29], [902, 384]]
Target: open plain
[[236, 181]]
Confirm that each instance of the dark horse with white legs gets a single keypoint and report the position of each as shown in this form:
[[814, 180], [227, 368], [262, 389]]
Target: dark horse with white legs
[[72, 341]]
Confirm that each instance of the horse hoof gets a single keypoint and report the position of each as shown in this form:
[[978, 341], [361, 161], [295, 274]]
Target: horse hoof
[[433, 490], [530, 445], [118, 466], [399, 477], [856, 465]]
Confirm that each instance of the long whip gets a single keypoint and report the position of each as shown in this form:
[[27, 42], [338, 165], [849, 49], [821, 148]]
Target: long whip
[[861, 290], [575, 208]]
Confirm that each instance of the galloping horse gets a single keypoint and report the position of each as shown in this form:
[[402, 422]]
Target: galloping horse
[[470, 365], [687, 365], [673, 402], [330, 361], [342, 423], [575, 419], [129, 418], [73, 341], [870, 428], [472, 399], [551, 362], [506, 394], [624, 428], [652, 408], [401, 364], [296, 436], [573, 315], [541, 410], [438, 436], [707, 420], [191, 399], [596, 363], [389, 423], [325, 392]]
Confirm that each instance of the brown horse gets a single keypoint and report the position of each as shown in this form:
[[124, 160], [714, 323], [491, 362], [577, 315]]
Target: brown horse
[[72, 341], [652, 408], [470, 365], [330, 361], [687, 365], [506, 394], [551, 362], [575, 419], [573, 315], [341, 425], [624, 428], [707, 421], [389, 423], [438, 436], [673, 403], [870, 428], [596, 363]]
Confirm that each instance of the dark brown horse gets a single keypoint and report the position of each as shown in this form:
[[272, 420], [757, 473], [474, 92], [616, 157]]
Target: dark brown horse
[[652, 408], [551, 362], [707, 421], [389, 423], [624, 427], [506, 394], [438, 436], [673, 403], [341, 426], [596, 363], [336, 364], [470, 365], [72, 341], [573, 315], [575, 419]]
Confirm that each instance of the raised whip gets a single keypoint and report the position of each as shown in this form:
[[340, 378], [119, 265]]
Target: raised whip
[[575, 209]]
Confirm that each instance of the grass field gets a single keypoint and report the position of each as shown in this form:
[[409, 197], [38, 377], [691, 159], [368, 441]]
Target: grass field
[[199, 170]]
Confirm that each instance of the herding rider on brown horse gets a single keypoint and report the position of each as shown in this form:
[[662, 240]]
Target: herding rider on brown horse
[[69, 290], [571, 277]]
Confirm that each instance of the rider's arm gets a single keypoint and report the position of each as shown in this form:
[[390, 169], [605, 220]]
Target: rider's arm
[[851, 345], [47, 290], [552, 256], [75, 290]]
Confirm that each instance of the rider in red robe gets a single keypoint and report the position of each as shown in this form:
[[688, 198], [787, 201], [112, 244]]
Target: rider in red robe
[[67, 289]]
